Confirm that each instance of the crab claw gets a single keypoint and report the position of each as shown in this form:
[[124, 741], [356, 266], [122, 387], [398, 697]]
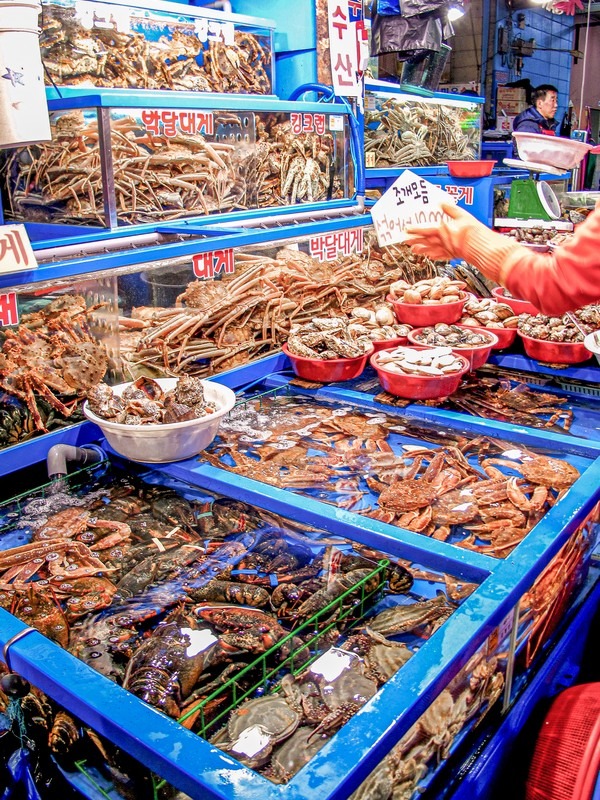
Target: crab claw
[[150, 388]]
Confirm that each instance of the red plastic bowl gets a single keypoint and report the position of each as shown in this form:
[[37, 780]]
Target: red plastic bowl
[[555, 352], [471, 169], [505, 336], [420, 315], [476, 356], [518, 306], [419, 387], [327, 370], [389, 344]]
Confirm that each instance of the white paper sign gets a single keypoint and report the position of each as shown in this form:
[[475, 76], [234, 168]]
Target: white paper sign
[[200, 640], [344, 16], [410, 200], [16, 253], [251, 741], [332, 663]]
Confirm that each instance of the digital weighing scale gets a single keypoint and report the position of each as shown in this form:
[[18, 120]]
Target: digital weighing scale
[[531, 198]]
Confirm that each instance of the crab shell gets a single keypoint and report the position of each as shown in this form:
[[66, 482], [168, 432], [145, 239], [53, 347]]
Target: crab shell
[[272, 714]]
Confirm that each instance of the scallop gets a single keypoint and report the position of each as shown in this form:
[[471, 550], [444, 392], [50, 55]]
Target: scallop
[[384, 316]]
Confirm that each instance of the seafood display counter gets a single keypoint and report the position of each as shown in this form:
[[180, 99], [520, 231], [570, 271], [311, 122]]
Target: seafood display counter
[[109, 299], [405, 130], [142, 158], [187, 298], [397, 649], [374, 583]]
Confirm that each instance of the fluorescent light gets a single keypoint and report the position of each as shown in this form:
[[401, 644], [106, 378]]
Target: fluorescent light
[[456, 10]]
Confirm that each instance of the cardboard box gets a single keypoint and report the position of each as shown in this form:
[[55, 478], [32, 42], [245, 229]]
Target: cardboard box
[[511, 94], [510, 100], [504, 124], [511, 108]]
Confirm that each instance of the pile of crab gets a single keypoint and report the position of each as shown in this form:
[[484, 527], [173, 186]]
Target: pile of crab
[[329, 338], [481, 494], [280, 732], [222, 324], [52, 355]]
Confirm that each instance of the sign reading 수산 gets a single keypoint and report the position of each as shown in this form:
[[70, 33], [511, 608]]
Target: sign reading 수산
[[410, 200]]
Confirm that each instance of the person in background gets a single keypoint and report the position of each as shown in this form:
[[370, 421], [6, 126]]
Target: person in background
[[563, 280], [539, 117]]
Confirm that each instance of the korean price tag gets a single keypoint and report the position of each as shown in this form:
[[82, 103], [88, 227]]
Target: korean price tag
[[410, 200], [16, 253], [9, 311]]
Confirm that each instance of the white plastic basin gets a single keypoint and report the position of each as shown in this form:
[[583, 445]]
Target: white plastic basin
[[161, 443], [592, 342], [553, 151]]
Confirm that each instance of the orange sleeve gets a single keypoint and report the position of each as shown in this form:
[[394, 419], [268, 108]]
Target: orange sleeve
[[560, 281]]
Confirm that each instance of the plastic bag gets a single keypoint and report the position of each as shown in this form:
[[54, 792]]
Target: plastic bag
[[406, 8], [409, 37]]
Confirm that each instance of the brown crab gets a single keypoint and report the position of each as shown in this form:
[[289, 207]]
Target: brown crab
[[293, 754], [255, 727], [52, 354]]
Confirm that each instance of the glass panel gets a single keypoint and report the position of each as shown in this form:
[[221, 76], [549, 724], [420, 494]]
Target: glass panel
[[59, 181], [402, 131], [170, 164], [60, 341], [88, 43], [553, 594], [418, 758]]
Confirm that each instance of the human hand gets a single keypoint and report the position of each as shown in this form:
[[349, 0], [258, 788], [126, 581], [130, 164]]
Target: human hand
[[448, 239]]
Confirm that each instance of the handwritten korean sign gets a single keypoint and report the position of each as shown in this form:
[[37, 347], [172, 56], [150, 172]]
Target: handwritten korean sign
[[410, 200], [207, 265], [16, 253], [345, 26]]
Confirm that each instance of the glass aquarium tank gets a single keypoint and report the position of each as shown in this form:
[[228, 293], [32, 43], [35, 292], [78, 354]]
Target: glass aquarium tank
[[272, 612], [154, 45], [114, 162], [406, 130]]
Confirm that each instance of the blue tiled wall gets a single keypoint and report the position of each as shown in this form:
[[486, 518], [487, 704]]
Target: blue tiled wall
[[544, 66]]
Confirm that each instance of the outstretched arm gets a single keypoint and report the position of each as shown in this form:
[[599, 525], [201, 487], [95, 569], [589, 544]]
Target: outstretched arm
[[462, 236], [563, 280]]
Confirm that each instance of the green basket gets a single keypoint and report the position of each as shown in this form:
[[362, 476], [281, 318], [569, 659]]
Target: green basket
[[264, 670]]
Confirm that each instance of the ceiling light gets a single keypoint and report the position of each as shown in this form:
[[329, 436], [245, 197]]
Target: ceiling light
[[456, 10]]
